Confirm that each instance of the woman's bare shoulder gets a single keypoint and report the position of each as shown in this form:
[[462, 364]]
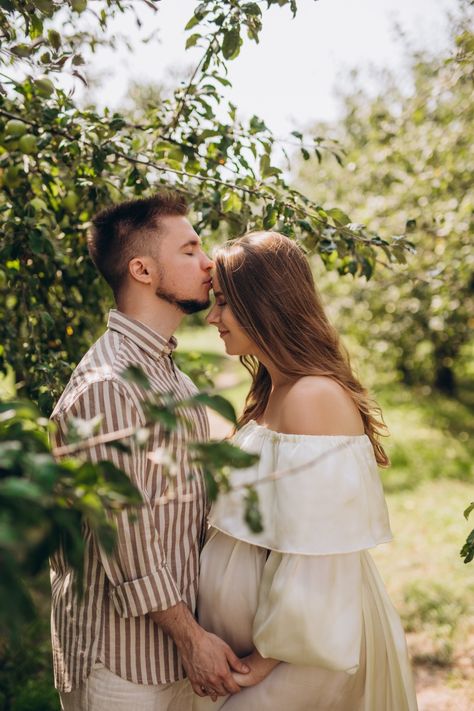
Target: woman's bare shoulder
[[317, 404]]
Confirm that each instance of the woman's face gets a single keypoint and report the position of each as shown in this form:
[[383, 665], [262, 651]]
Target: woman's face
[[235, 338]]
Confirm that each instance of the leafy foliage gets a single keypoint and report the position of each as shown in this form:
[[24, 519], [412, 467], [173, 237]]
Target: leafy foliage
[[467, 551], [47, 496], [43, 504], [60, 163]]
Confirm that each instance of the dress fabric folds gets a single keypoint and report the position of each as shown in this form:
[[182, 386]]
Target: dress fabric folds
[[305, 591]]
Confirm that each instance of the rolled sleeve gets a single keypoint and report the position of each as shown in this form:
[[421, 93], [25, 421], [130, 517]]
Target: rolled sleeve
[[156, 592], [140, 579]]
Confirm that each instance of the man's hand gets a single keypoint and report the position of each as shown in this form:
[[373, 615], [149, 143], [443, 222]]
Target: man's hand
[[260, 667], [207, 659], [208, 662]]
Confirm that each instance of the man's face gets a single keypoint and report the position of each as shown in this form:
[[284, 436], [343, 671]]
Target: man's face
[[183, 274]]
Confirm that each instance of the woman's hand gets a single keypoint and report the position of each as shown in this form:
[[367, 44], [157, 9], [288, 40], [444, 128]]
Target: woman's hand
[[259, 669]]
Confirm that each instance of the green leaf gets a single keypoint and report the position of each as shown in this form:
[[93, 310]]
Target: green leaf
[[121, 446], [45, 6], [119, 482], [158, 413], [54, 39], [36, 242], [252, 515], [270, 218], [467, 551], [221, 454], [42, 468], [22, 50], [231, 203], [195, 20], [251, 8], [212, 486], [231, 43], [468, 510], [218, 404], [266, 168], [107, 537], [339, 217], [10, 452], [134, 374], [15, 488], [191, 41], [256, 125]]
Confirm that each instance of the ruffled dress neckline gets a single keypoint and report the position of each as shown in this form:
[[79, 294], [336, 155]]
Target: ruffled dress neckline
[[288, 437]]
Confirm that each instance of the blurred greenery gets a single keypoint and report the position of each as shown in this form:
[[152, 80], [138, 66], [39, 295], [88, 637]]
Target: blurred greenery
[[408, 167], [26, 674]]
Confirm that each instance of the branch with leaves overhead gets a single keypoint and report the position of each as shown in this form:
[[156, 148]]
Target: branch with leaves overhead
[[59, 164]]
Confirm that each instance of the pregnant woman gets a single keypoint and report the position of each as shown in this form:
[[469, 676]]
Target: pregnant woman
[[301, 601]]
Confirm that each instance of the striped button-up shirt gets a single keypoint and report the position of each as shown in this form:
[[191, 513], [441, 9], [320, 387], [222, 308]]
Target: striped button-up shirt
[[156, 560]]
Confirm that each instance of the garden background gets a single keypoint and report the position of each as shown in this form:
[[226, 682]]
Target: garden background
[[381, 199]]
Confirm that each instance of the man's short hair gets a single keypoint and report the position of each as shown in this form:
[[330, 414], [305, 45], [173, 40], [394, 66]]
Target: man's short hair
[[129, 229]]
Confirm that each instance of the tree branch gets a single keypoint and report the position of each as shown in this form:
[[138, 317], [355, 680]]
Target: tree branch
[[268, 197], [180, 107]]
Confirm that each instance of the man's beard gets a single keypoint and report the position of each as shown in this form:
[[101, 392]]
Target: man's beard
[[187, 306]]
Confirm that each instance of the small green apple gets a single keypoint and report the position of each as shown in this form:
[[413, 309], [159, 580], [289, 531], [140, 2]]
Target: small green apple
[[28, 144], [79, 5], [44, 86], [11, 177], [70, 201], [14, 127]]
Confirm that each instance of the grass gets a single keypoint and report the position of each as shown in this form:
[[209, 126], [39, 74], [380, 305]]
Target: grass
[[428, 582]]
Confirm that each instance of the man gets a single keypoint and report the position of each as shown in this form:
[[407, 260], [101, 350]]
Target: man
[[131, 638]]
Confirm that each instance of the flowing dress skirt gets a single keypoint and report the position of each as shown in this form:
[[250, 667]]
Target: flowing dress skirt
[[231, 573]]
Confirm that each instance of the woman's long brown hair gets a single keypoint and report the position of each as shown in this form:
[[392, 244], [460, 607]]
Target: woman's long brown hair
[[267, 282]]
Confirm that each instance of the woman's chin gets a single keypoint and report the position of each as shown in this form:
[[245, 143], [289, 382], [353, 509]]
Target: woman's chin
[[235, 351], [231, 350]]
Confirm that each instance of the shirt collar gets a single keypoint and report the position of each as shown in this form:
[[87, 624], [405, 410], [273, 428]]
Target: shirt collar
[[143, 336]]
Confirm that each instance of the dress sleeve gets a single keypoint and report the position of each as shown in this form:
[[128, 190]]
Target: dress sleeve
[[310, 610], [318, 495]]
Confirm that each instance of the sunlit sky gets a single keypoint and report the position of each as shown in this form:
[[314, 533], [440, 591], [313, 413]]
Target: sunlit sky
[[289, 78]]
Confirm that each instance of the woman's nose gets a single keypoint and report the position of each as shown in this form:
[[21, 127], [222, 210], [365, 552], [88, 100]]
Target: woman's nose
[[213, 316]]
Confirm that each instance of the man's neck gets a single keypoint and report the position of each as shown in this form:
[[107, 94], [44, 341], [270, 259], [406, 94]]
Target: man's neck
[[160, 316]]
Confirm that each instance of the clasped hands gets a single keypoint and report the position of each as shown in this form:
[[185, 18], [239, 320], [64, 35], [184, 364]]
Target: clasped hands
[[214, 670]]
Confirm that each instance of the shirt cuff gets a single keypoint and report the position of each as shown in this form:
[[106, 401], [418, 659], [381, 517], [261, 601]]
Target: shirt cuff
[[158, 591]]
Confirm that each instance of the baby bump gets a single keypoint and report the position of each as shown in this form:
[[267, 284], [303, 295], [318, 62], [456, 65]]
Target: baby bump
[[228, 589]]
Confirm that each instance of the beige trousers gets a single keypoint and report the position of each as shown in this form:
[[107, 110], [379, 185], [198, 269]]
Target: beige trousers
[[104, 691]]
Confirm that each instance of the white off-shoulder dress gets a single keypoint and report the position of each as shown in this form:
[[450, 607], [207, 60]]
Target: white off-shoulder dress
[[305, 590]]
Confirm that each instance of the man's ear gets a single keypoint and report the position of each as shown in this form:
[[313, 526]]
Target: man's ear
[[139, 269]]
